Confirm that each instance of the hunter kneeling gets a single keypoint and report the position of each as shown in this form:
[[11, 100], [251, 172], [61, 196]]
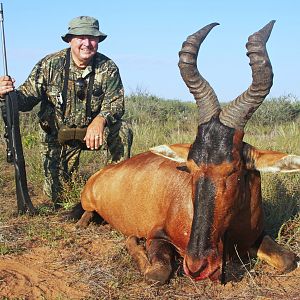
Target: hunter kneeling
[[81, 99]]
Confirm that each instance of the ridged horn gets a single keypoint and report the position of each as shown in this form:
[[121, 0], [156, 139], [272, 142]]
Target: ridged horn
[[240, 110], [203, 93]]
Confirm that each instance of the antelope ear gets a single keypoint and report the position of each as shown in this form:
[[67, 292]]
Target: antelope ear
[[285, 164], [168, 153], [270, 161]]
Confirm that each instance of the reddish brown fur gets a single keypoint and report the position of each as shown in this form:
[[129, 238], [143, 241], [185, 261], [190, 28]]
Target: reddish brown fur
[[150, 196], [146, 196], [130, 201]]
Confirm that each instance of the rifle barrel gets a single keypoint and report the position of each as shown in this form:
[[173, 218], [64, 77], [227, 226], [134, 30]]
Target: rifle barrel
[[3, 40]]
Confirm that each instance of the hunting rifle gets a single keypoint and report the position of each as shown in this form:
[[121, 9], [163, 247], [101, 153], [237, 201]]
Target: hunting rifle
[[14, 150]]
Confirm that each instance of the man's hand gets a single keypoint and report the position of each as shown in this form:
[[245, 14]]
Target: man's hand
[[6, 85], [94, 133]]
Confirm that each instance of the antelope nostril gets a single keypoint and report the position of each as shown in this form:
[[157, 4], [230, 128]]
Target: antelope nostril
[[203, 266], [195, 268]]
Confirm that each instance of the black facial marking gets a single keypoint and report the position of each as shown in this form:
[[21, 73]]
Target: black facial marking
[[204, 206], [213, 144]]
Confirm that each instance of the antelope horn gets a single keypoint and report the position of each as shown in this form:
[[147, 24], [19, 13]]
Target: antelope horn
[[203, 93], [239, 111]]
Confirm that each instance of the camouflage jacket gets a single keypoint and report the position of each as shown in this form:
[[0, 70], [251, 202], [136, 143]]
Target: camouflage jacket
[[45, 85]]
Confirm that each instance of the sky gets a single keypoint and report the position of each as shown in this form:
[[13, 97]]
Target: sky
[[144, 38]]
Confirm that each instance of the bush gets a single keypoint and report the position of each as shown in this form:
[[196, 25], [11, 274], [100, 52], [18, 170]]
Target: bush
[[143, 107], [277, 111]]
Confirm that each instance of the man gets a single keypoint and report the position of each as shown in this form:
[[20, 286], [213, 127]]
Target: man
[[76, 88]]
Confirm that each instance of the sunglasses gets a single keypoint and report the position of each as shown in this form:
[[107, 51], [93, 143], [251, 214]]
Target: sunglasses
[[80, 86]]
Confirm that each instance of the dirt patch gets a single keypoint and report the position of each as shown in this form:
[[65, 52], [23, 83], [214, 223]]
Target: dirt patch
[[38, 274]]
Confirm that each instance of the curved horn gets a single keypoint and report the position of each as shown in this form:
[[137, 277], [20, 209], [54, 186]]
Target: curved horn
[[203, 93], [239, 111]]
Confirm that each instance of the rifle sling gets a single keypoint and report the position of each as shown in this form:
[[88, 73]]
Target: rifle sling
[[89, 93], [66, 80]]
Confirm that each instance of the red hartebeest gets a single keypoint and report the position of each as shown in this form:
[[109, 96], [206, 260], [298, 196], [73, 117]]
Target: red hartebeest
[[192, 198]]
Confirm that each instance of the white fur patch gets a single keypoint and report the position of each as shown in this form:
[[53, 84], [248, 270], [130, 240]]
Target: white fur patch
[[287, 164], [167, 152]]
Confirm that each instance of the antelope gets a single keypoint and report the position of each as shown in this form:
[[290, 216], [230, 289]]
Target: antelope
[[202, 200]]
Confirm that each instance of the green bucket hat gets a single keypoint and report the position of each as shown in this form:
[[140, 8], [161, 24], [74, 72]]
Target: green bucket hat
[[84, 25]]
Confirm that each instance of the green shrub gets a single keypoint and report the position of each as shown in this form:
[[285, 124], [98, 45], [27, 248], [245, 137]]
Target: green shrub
[[277, 111]]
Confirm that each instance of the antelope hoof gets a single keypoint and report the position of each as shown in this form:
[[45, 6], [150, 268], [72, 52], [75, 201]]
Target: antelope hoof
[[158, 273], [289, 262]]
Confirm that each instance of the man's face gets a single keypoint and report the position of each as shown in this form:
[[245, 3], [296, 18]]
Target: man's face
[[83, 47]]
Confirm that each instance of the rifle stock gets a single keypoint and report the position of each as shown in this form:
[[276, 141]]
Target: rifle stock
[[10, 114]]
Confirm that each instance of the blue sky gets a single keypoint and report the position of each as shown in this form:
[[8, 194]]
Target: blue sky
[[144, 38]]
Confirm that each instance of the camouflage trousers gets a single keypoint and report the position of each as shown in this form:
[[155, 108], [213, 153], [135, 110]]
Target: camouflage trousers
[[61, 162]]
